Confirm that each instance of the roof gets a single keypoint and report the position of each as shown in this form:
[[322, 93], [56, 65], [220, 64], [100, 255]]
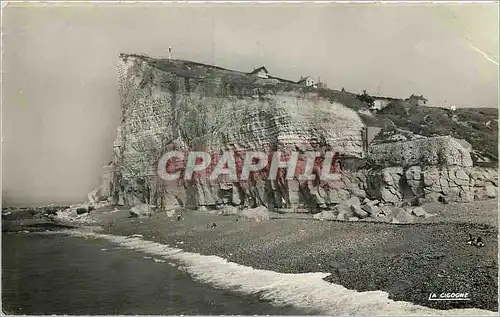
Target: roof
[[303, 79], [255, 71], [282, 79], [421, 97], [383, 98]]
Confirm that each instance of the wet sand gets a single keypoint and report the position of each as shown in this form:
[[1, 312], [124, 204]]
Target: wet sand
[[407, 261]]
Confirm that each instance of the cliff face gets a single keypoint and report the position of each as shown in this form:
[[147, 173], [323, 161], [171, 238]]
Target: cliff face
[[442, 151], [431, 183], [179, 105], [184, 106]]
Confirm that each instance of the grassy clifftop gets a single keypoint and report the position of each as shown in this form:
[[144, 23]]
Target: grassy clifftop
[[224, 81]]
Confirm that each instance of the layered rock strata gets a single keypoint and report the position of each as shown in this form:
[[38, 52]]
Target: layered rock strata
[[431, 183], [441, 151], [177, 105]]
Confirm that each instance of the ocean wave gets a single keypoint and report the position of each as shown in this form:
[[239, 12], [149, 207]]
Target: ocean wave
[[305, 290]]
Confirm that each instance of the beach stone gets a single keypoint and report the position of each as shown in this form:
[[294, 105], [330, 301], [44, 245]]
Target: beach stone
[[374, 202], [338, 195], [368, 219], [386, 210], [202, 209], [428, 215], [371, 209], [443, 200], [82, 210], [402, 215], [382, 218], [491, 191], [344, 213], [258, 214], [356, 209], [419, 212], [344, 208], [325, 215], [140, 210], [350, 202], [229, 210], [342, 216]]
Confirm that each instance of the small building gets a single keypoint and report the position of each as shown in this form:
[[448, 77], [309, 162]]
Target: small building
[[260, 72], [380, 103], [322, 85], [307, 81], [417, 100]]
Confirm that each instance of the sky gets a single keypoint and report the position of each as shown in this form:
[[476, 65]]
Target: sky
[[60, 106]]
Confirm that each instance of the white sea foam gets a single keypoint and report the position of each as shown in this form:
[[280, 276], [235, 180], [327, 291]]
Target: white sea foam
[[307, 290], [159, 260]]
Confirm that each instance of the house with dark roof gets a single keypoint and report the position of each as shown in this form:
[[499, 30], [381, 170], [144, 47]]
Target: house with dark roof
[[307, 81], [417, 100], [260, 72]]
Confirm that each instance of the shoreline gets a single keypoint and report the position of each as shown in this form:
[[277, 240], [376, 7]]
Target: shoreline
[[407, 261]]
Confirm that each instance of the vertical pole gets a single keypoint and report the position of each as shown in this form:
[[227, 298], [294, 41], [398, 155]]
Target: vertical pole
[[213, 39], [364, 136]]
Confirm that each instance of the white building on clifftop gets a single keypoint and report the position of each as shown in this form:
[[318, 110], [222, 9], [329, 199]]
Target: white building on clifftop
[[260, 72], [307, 81], [417, 100]]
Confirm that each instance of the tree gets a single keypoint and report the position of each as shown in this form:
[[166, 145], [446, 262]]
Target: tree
[[365, 97]]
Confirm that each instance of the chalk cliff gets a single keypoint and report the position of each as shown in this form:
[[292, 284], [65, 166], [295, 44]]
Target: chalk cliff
[[173, 104]]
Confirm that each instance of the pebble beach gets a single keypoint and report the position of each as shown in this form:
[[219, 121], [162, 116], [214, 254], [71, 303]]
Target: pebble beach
[[408, 261]]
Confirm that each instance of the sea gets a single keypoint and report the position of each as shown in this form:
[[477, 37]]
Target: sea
[[59, 274]]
